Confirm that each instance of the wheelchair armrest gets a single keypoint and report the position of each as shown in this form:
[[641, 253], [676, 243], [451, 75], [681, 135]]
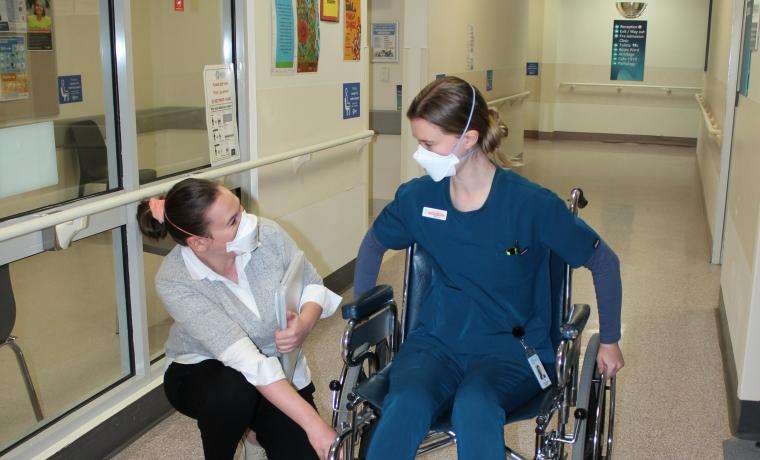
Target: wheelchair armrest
[[369, 303], [374, 389], [577, 321]]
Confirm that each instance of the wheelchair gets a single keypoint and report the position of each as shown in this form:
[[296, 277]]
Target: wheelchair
[[375, 331]]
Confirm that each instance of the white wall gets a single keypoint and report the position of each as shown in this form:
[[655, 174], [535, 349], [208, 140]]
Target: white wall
[[576, 47], [740, 279], [324, 206]]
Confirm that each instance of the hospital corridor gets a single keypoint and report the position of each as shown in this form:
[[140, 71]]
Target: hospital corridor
[[379, 229]]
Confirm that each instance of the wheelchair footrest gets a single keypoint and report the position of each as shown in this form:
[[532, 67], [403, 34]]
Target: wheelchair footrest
[[375, 388]]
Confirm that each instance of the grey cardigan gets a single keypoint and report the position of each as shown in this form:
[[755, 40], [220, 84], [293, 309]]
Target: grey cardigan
[[208, 317]]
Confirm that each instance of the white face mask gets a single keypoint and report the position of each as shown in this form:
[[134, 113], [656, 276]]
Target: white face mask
[[247, 235], [440, 166]]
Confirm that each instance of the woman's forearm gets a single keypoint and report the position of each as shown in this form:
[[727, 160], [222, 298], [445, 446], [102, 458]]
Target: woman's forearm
[[284, 397]]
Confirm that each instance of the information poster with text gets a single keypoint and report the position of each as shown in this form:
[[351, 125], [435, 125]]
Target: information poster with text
[[14, 75], [629, 43], [221, 116], [283, 36]]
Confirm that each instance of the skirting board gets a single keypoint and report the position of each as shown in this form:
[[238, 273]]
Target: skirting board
[[744, 416], [610, 137]]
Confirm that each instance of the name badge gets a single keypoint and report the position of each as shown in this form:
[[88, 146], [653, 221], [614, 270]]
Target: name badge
[[432, 213]]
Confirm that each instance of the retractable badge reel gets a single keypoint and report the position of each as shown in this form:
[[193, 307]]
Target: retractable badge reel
[[533, 360]]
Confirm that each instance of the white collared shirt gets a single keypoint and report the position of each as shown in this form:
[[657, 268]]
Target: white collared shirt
[[243, 355]]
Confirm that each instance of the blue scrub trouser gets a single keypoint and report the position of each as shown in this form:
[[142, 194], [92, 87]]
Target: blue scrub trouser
[[427, 381]]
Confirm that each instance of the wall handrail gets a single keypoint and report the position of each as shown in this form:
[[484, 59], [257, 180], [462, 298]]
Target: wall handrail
[[620, 87], [511, 99], [712, 126], [117, 199]]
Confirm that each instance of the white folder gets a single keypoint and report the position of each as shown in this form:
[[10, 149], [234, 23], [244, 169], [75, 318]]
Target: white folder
[[288, 298]]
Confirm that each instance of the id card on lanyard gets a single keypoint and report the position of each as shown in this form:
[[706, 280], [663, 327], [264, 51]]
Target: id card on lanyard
[[533, 360]]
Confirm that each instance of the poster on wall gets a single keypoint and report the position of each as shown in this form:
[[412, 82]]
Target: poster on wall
[[14, 73], [629, 43], [283, 36], [385, 42], [12, 16], [221, 116], [351, 100], [70, 89], [352, 30], [329, 10], [39, 15], [308, 35]]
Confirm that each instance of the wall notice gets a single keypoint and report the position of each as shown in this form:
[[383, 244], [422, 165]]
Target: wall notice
[[12, 16], [351, 100], [221, 115], [629, 43], [308, 35], [14, 74], [283, 36], [385, 42], [352, 30], [70, 89], [39, 23]]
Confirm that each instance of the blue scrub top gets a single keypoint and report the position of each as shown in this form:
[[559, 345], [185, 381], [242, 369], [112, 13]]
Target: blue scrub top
[[482, 293]]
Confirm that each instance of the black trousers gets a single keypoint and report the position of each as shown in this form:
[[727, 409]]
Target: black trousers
[[224, 403]]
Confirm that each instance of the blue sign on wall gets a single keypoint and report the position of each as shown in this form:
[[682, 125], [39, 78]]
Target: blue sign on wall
[[489, 80], [439, 76], [629, 44], [70, 89], [351, 100], [531, 68]]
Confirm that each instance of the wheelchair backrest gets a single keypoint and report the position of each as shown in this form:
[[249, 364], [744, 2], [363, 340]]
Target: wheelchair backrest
[[421, 272]]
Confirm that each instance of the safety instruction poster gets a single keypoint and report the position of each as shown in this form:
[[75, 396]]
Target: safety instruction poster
[[352, 30], [221, 115], [629, 43], [14, 73], [385, 42], [308, 35], [12, 16], [283, 36]]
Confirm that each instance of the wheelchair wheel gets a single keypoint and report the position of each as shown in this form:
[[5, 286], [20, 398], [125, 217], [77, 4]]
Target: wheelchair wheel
[[597, 396], [354, 376]]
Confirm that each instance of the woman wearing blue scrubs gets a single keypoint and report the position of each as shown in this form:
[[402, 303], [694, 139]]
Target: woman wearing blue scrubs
[[490, 232]]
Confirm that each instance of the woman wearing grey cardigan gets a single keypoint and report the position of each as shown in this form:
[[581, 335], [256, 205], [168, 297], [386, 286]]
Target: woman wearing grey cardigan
[[218, 284]]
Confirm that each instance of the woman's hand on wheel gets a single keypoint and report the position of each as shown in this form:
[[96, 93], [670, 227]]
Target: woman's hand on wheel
[[609, 360], [321, 438]]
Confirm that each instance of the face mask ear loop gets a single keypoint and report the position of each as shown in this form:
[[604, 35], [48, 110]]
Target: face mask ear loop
[[469, 120]]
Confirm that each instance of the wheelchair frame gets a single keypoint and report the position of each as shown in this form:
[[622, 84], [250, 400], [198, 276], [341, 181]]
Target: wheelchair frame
[[370, 342]]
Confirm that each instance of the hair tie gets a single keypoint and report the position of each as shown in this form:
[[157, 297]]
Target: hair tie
[[157, 209]]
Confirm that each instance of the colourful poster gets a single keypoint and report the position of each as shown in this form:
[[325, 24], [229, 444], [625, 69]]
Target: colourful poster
[[329, 10], [629, 44], [14, 74], [40, 24], [352, 30], [12, 16], [308, 35], [283, 36]]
